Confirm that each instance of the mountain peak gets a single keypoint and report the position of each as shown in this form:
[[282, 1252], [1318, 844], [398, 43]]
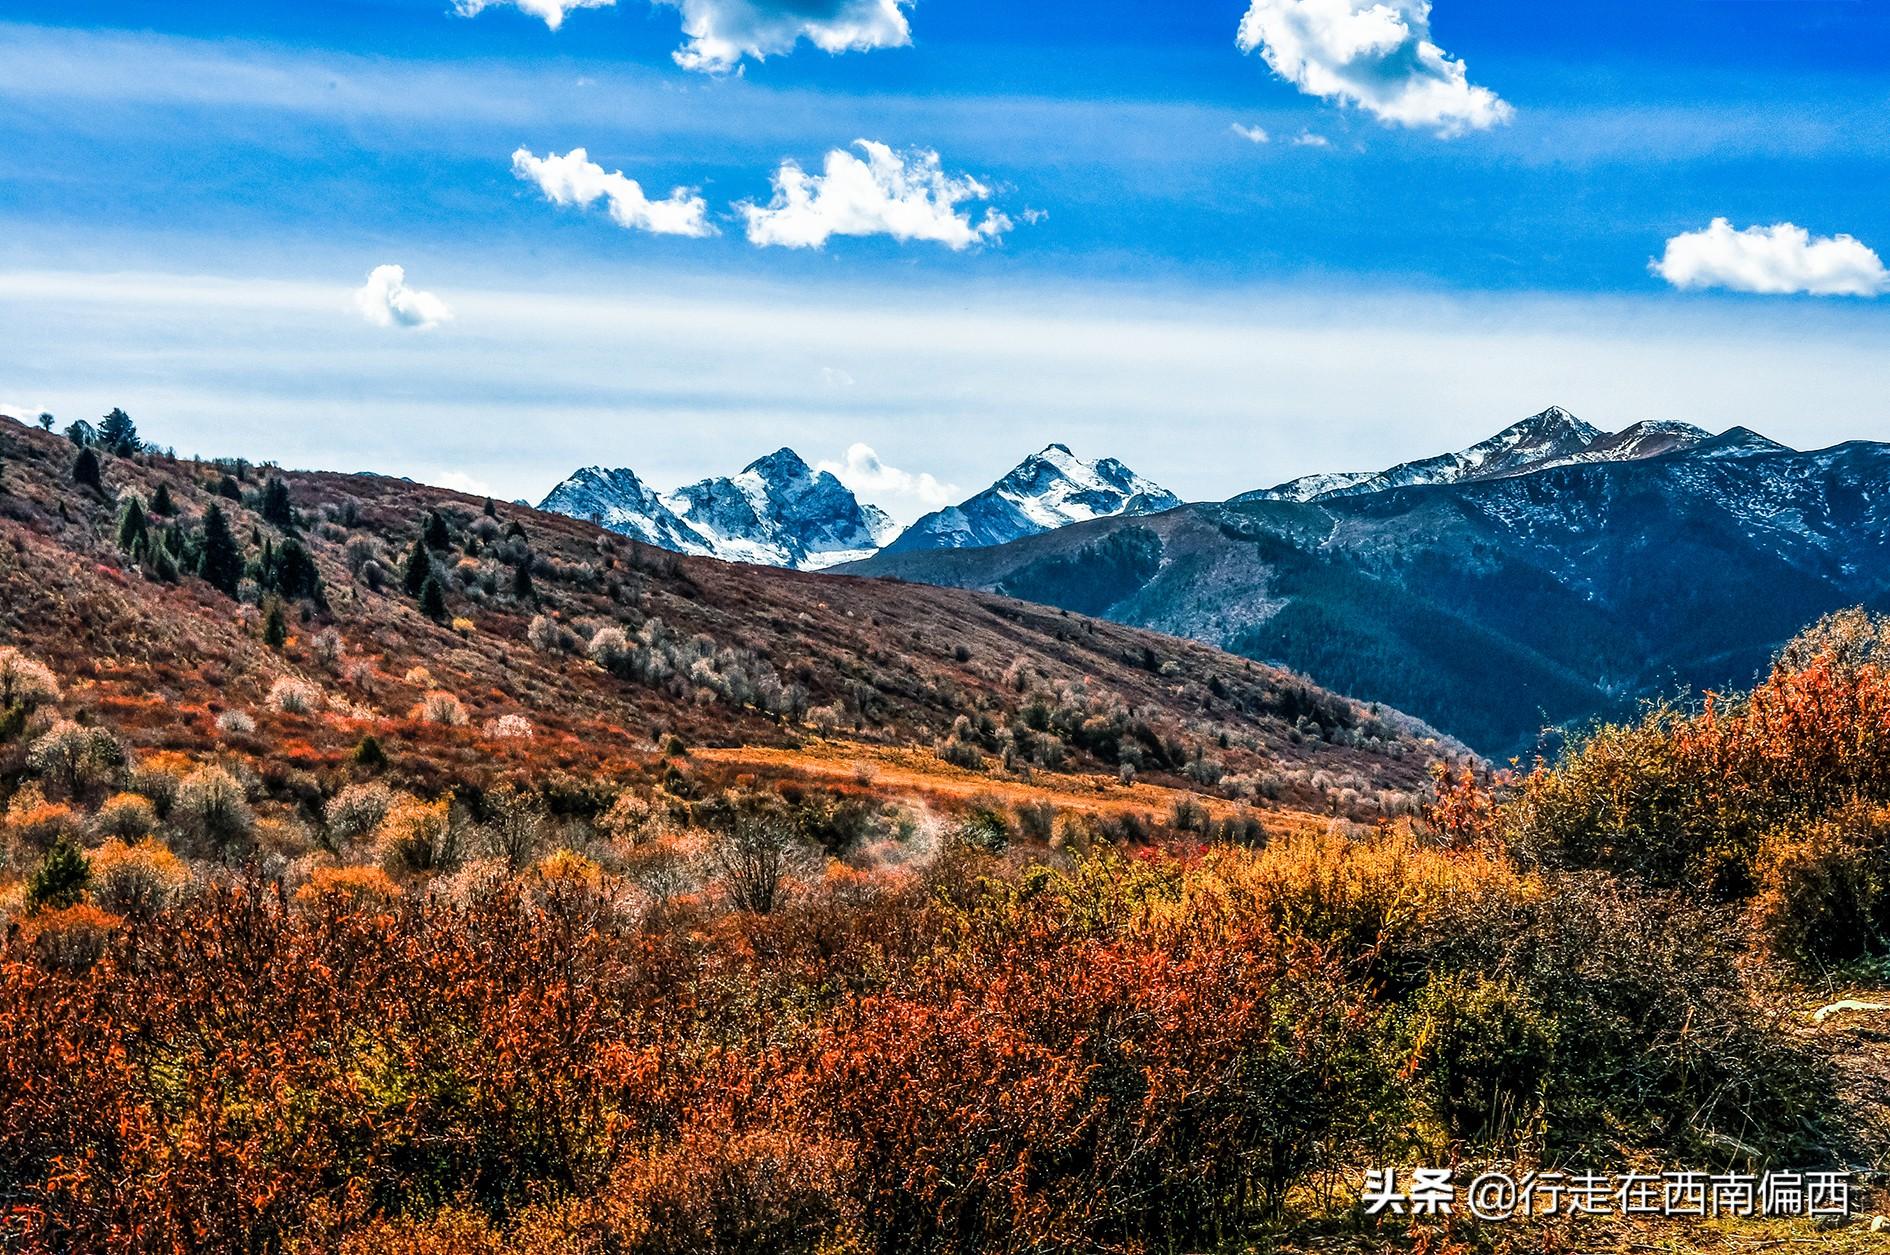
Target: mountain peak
[[782, 464], [1047, 490]]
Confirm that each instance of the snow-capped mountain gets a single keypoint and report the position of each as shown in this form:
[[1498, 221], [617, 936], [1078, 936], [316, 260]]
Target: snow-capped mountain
[[619, 501], [1554, 437], [1045, 491], [778, 511]]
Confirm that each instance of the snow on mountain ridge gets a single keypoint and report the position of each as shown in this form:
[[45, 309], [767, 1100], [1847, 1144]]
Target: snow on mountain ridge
[[1047, 490], [1552, 438], [777, 511]]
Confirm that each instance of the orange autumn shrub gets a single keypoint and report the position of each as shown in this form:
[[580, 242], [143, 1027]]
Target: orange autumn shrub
[[348, 887], [137, 880]]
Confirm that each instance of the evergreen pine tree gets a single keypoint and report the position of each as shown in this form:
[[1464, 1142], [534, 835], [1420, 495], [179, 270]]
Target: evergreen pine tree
[[229, 489], [117, 434], [221, 563], [161, 503], [369, 753], [85, 469], [419, 569], [133, 528], [434, 531], [492, 511], [522, 586], [275, 627], [82, 434], [433, 600], [276, 508], [60, 879], [46, 421]]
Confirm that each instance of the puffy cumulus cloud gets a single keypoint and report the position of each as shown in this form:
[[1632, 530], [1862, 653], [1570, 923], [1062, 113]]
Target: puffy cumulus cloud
[[551, 12], [574, 179], [722, 32], [1252, 134], [1778, 260], [888, 486], [386, 301], [907, 196], [1376, 54]]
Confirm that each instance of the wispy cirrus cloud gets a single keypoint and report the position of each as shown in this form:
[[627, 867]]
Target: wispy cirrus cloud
[[574, 179], [1779, 260], [387, 301], [1376, 54], [907, 196]]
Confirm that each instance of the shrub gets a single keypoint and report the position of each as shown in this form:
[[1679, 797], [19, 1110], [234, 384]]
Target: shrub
[[418, 836], [239, 723], [212, 812], [357, 811], [442, 708], [137, 880], [1824, 890], [348, 888], [24, 681], [509, 728], [71, 939], [34, 823], [75, 760], [610, 648], [549, 636], [294, 696], [126, 817]]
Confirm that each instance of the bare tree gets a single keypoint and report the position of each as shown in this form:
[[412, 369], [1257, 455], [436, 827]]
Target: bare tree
[[755, 855]]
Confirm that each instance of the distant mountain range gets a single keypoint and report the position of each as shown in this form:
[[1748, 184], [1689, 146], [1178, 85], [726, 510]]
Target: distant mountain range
[[780, 512], [1548, 575], [1552, 438]]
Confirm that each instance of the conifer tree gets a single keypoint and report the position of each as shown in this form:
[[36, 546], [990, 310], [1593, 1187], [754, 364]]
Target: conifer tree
[[85, 469], [276, 507], [432, 600], [522, 586], [434, 531], [221, 564], [117, 434], [419, 568], [161, 503], [60, 879], [275, 627], [133, 528]]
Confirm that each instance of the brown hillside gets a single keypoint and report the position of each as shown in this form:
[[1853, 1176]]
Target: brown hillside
[[716, 654]]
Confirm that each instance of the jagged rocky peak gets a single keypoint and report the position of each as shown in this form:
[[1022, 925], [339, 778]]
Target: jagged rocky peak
[[1047, 490], [778, 511]]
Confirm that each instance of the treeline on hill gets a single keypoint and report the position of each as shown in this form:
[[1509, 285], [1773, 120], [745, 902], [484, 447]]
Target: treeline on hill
[[751, 1022]]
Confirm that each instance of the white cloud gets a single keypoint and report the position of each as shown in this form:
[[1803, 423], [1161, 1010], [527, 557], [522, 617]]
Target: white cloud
[[460, 481], [552, 12], [1307, 139], [1777, 260], [1376, 54], [907, 196], [1252, 134], [888, 486], [722, 32], [386, 301], [574, 179]]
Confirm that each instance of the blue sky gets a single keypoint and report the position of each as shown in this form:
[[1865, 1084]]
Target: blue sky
[[189, 194]]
